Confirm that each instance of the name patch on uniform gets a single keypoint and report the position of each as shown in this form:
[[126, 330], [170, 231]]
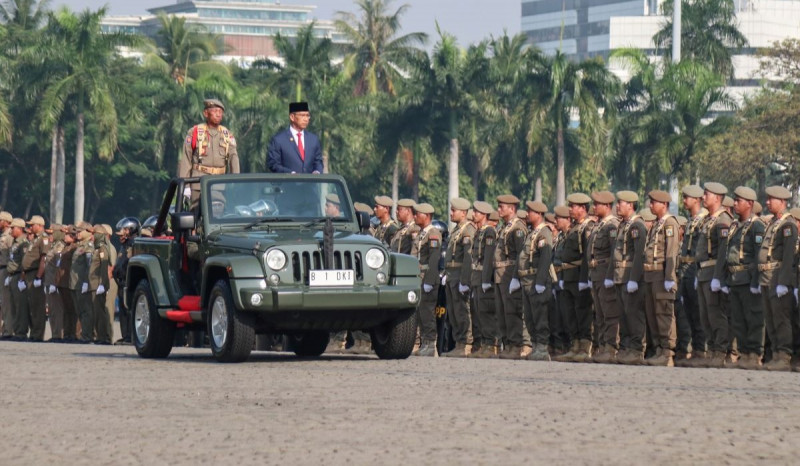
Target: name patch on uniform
[[434, 243], [787, 232], [759, 239], [669, 231], [724, 232]]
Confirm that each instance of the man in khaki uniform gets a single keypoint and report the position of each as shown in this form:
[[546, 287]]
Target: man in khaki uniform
[[778, 276], [604, 295], [575, 300], [458, 268], [33, 266], [6, 309], [741, 264], [429, 250], [55, 304], [99, 284], [15, 282], [559, 337], [209, 148], [661, 254], [65, 288], [383, 212], [627, 270], [406, 237], [483, 305], [508, 298], [534, 268], [79, 283], [691, 342], [712, 246]]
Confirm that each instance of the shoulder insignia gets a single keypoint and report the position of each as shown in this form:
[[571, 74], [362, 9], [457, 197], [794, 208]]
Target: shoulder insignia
[[723, 232], [759, 239], [541, 243], [188, 140], [434, 242], [613, 233], [669, 231], [787, 232], [634, 233], [489, 241], [466, 240], [45, 241], [520, 233]]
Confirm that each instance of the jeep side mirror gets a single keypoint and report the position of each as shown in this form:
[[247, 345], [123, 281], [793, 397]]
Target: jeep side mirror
[[183, 221], [363, 220]]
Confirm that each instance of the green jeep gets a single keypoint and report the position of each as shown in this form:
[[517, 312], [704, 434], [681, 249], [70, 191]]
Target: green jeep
[[267, 253]]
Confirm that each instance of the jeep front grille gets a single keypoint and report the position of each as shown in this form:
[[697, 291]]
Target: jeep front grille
[[303, 262]]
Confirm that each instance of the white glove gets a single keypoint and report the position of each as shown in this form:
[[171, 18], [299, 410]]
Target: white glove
[[695, 283], [21, 285], [668, 286], [540, 289], [187, 192], [37, 282], [100, 289], [427, 288], [514, 285], [632, 286], [608, 283], [583, 286], [463, 288], [795, 294], [590, 283], [715, 286], [84, 288], [781, 290], [51, 289], [8, 280], [486, 287], [561, 284], [444, 279], [755, 290], [725, 290]]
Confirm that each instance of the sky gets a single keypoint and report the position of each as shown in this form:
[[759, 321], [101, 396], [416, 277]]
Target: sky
[[470, 21]]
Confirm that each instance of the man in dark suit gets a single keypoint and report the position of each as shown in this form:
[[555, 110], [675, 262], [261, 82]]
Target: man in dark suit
[[295, 150]]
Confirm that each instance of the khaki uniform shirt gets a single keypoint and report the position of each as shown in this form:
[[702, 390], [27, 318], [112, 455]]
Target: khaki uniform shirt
[[52, 258], [217, 150], [776, 255], [741, 261], [64, 264], [535, 259], [79, 267], [689, 244], [574, 264], [405, 239], [601, 247], [661, 251], [458, 258], [628, 263], [17, 253], [32, 263], [482, 255], [429, 250], [98, 269], [510, 242], [6, 240], [385, 232], [712, 246]]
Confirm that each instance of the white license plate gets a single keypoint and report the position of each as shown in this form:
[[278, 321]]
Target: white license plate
[[331, 278]]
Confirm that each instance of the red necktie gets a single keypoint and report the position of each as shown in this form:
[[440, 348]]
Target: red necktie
[[300, 146]]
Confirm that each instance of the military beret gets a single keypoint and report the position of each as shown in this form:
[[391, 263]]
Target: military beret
[[757, 208], [549, 217], [98, 229], [508, 199], [795, 212], [603, 197], [628, 196], [17, 222], [578, 198], [745, 193], [333, 198], [56, 227], [727, 201], [715, 188], [6, 216], [692, 190], [647, 216], [36, 220], [406, 203], [70, 229], [494, 216], [385, 201], [84, 235], [561, 211], [682, 221], [470, 216], [660, 196], [536, 206], [217, 195], [522, 213], [83, 225], [483, 207], [109, 230], [295, 107], [459, 203], [424, 208], [211, 103], [778, 192], [361, 207]]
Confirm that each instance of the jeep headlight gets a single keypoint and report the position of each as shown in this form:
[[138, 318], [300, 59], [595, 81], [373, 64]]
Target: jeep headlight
[[276, 259], [375, 258]]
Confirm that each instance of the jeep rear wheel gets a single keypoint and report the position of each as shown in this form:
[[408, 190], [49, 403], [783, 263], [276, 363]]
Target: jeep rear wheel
[[395, 339], [230, 332], [152, 334], [309, 344]]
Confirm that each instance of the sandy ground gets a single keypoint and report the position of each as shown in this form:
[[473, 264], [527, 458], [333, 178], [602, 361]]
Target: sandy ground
[[86, 404]]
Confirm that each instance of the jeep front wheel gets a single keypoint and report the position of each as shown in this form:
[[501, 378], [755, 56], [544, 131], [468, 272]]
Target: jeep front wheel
[[395, 339], [152, 334], [230, 332]]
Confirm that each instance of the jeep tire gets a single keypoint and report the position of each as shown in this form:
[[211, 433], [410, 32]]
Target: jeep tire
[[152, 335], [395, 339], [230, 332]]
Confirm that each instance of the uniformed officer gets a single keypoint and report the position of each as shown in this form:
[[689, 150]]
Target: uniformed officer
[[32, 274], [575, 301], [79, 283], [601, 276], [127, 230], [660, 276], [67, 293], [483, 306], [6, 309], [406, 237], [534, 268], [691, 344], [99, 271], [458, 268], [209, 148], [712, 246], [508, 298], [746, 312], [55, 304], [627, 271], [429, 250], [559, 337], [778, 276], [387, 227], [14, 281]]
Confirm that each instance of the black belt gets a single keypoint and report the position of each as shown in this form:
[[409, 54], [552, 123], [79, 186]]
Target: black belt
[[3, 267]]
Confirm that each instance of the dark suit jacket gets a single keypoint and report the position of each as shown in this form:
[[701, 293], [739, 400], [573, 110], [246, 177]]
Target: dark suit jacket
[[284, 157]]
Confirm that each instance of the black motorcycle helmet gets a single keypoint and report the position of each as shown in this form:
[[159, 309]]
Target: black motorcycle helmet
[[150, 222], [442, 227], [131, 223]]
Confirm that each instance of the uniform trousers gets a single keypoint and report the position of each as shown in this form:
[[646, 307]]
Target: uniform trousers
[[747, 319], [70, 317], [102, 324], [633, 324], [576, 311], [509, 312], [691, 336], [6, 308], [84, 309], [536, 308], [55, 306], [485, 311], [660, 310], [778, 318], [457, 311], [607, 314], [36, 308], [19, 300], [713, 318], [426, 315]]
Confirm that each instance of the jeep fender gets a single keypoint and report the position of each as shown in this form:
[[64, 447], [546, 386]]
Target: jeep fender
[[149, 267], [231, 266], [404, 270]]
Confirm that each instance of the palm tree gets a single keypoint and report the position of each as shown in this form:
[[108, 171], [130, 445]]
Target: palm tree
[[708, 33], [374, 54]]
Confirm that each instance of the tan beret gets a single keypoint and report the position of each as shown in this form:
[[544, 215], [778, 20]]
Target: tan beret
[[470, 216], [508, 199], [628, 196], [692, 190], [682, 221], [36, 220], [333, 198], [84, 235], [109, 230], [424, 208], [745, 193], [757, 208], [727, 201], [406, 203], [550, 217], [578, 198], [483, 207], [494, 216], [561, 211], [98, 229], [715, 188], [778, 192], [459, 203], [603, 197], [795, 212], [83, 225], [647, 216], [211, 103], [6, 216], [385, 201], [361, 207], [17, 222], [56, 227], [536, 206], [660, 196], [522, 213]]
